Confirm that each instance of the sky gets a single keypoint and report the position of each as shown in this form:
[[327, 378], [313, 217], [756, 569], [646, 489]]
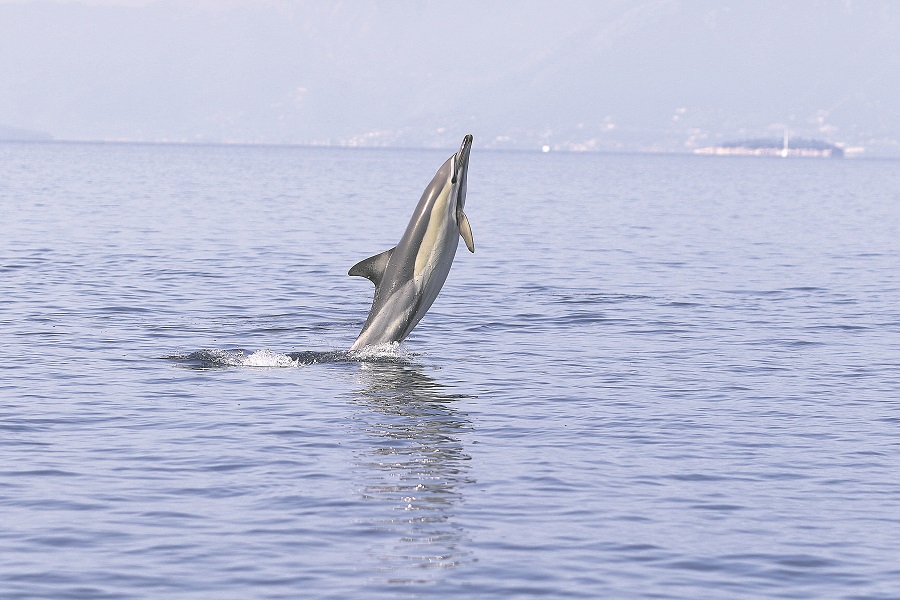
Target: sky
[[617, 75]]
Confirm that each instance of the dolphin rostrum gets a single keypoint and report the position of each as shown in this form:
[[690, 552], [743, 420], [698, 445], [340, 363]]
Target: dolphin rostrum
[[409, 276]]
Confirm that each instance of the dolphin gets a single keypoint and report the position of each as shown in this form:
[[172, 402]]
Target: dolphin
[[409, 276]]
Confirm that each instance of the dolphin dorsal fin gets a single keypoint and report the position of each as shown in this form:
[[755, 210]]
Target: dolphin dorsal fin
[[465, 230], [373, 267]]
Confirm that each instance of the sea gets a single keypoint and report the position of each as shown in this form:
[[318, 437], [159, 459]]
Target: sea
[[658, 376]]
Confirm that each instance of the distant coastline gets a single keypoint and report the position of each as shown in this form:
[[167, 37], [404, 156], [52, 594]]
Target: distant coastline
[[768, 147], [797, 147]]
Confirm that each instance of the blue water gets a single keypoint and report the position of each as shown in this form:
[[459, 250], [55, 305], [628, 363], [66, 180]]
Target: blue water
[[657, 377]]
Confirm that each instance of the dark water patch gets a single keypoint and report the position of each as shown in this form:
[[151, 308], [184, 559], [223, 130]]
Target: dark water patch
[[573, 297], [173, 274], [39, 473], [484, 326], [839, 327], [169, 515], [640, 328], [682, 304], [756, 293], [13, 267], [798, 343], [313, 357], [718, 507], [64, 505], [581, 318], [701, 477], [62, 541], [705, 566]]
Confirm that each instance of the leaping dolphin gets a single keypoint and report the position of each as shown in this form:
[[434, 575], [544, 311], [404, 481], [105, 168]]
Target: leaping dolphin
[[409, 276]]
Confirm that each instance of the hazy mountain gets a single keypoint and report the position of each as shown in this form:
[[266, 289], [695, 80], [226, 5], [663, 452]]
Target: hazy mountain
[[16, 134], [625, 74]]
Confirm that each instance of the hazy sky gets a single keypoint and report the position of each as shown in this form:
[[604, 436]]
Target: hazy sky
[[581, 74]]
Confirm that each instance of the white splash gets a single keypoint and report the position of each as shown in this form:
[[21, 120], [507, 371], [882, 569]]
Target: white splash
[[390, 352], [267, 358]]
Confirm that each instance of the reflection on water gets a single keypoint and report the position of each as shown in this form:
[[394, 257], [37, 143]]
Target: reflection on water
[[416, 465]]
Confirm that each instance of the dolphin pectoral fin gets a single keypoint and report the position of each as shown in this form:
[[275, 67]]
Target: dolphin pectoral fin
[[465, 230], [373, 267]]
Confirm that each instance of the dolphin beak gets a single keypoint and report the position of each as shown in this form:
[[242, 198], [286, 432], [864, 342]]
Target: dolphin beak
[[462, 158]]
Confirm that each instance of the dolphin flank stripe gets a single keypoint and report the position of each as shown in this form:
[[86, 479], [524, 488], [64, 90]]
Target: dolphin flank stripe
[[434, 229], [409, 276]]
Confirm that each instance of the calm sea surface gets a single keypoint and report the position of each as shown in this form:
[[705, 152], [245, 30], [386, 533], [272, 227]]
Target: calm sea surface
[[657, 377]]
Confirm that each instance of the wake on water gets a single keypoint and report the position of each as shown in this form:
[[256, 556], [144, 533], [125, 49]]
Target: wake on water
[[211, 358]]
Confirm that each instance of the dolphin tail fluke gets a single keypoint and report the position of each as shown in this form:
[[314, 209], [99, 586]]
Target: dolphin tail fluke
[[373, 267], [465, 230]]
